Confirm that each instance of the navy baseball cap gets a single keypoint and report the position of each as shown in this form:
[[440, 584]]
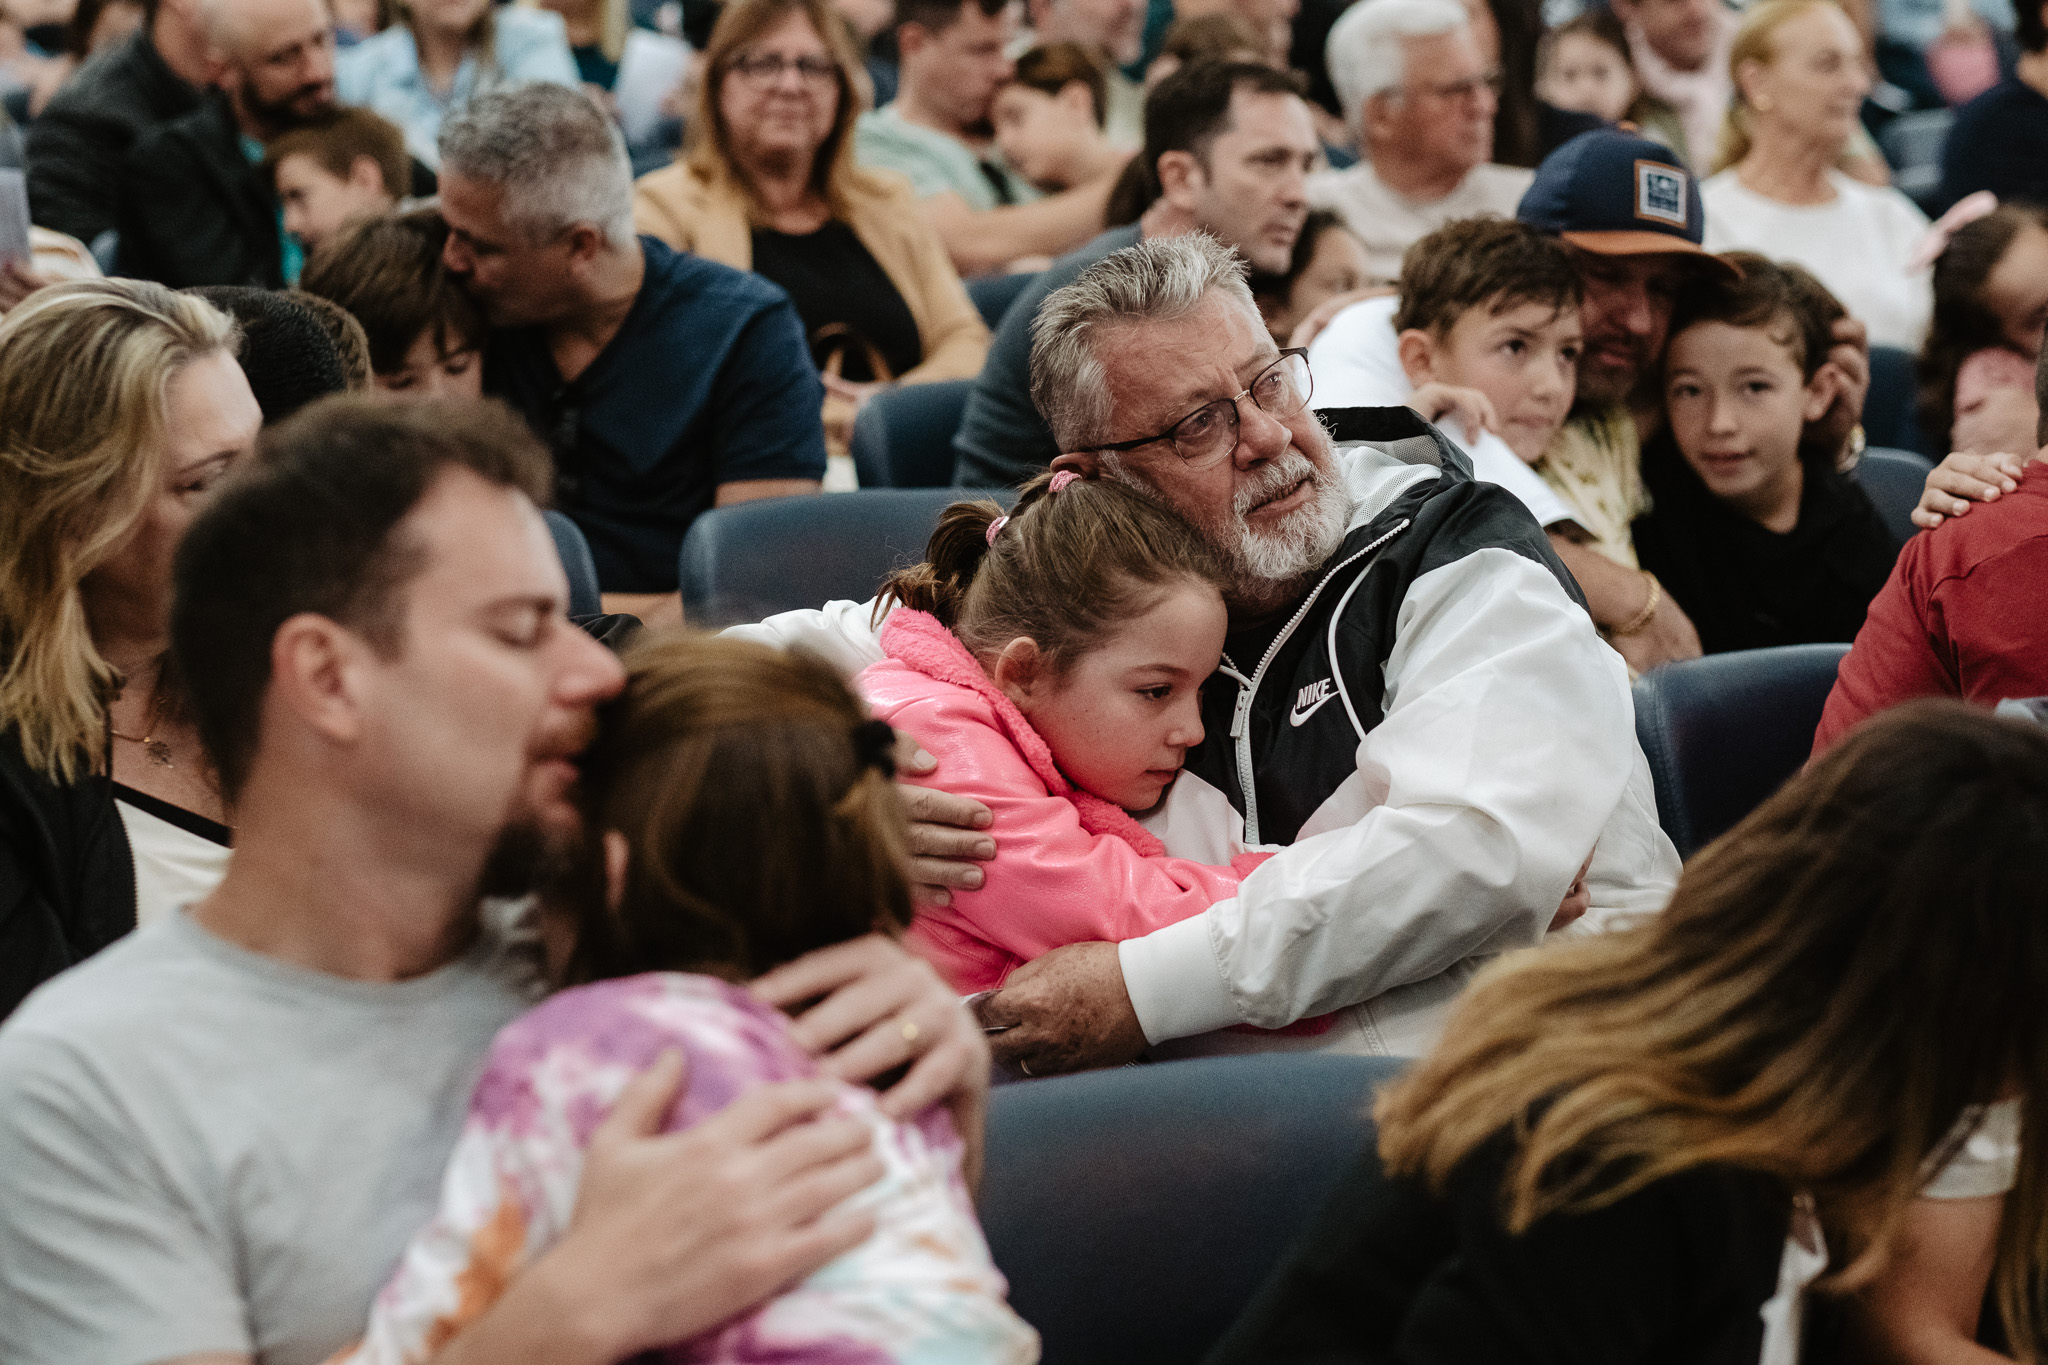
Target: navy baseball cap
[[1618, 193]]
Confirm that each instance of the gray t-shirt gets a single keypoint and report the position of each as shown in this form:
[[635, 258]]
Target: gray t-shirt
[[1002, 440], [203, 1149]]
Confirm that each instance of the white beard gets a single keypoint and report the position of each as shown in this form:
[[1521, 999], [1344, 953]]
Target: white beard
[[1262, 561]]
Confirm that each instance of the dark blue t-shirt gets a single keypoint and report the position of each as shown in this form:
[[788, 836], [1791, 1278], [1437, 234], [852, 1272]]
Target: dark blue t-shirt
[[1999, 142], [708, 381]]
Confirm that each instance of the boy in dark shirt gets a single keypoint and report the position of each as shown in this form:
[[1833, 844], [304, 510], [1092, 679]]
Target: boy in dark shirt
[[1752, 530]]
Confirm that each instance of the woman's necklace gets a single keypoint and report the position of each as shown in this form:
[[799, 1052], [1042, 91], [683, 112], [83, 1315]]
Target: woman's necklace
[[159, 752]]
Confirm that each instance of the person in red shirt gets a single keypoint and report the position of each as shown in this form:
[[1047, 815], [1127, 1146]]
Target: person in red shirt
[[1964, 614]]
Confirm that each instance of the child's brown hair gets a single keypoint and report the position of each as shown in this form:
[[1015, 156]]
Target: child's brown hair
[[1052, 67], [1490, 263], [388, 272], [1782, 298], [756, 797], [340, 137], [1063, 569]]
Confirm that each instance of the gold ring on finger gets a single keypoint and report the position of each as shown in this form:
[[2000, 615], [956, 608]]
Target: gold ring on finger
[[909, 1030]]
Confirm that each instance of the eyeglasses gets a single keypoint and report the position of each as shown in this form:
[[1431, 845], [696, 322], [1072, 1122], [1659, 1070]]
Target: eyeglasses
[[765, 68], [1459, 91], [1209, 433]]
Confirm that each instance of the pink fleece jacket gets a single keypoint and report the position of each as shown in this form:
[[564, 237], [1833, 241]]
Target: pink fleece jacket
[[1070, 867]]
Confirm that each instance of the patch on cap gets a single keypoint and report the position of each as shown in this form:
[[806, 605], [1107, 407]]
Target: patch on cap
[[1660, 193]]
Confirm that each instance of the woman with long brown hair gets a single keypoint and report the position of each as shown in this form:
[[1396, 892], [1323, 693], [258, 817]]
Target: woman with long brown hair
[[121, 407], [1644, 1146], [768, 183]]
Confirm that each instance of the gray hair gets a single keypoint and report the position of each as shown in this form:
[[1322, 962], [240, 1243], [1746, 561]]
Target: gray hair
[[556, 156], [1364, 51], [1155, 281]]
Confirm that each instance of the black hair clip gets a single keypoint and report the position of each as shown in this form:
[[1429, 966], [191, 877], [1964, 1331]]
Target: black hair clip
[[874, 746]]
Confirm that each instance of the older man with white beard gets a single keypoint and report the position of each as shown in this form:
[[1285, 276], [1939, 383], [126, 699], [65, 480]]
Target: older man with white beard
[[1413, 706]]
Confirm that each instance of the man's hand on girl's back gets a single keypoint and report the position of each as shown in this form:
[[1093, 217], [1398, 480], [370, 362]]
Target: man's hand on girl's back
[[947, 837]]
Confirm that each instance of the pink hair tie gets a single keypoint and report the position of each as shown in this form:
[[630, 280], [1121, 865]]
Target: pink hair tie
[[998, 524], [1967, 210], [1062, 479]]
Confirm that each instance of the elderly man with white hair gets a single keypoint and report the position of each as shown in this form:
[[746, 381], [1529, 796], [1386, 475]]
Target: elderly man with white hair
[[1420, 98], [1413, 709], [665, 383]]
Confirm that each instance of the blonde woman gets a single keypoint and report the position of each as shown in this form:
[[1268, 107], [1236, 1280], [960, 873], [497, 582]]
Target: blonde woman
[[768, 184], [1823, 1069], [1801, 72], [121, 407]]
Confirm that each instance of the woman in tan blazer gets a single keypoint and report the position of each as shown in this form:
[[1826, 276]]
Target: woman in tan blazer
[[768, 184]]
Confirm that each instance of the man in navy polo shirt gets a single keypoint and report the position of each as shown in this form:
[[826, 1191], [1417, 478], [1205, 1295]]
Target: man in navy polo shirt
[[665, 384]]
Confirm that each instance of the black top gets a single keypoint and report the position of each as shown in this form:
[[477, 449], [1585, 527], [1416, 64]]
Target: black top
[[76, 146], [706, 382], [1998, 142], [67, 879], [1746, 587], [1673, 1274], [195, 210], [836, 283]]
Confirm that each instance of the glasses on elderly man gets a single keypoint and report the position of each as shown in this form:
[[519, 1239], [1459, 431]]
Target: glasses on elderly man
[[1209, 433], [766, 68]]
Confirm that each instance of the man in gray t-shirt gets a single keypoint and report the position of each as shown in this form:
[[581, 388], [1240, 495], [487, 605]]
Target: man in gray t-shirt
[[217, 1135]]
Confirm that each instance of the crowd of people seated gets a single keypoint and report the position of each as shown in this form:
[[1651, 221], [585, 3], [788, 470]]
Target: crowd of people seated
[[1355, 402]]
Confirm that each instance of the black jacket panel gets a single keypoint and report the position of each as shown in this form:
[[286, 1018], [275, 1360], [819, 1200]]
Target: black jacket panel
[[78, 146], [67, 878], [195, 211]]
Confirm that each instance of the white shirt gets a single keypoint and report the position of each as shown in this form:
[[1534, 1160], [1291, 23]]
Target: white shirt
[[1355, 363], [1389, 223], [173, 865], [1857, 246]]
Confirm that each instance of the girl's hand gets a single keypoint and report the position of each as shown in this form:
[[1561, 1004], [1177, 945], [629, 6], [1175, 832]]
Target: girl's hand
[[1473, 409], [1961, 479], [1576, 902], [856, 394]]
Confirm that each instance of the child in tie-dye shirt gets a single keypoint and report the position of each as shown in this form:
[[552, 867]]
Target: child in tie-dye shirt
[[740, 814]]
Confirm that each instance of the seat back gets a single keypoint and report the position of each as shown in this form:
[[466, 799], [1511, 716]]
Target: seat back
[[1893, 479], [574, 552], [1891, 410], [1724, 732], [1912, 143], [1135, 1211], [993, 294], [753, 559], [903, 437]]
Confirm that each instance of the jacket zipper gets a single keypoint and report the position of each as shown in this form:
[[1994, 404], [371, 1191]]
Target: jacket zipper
[[1248, 688]]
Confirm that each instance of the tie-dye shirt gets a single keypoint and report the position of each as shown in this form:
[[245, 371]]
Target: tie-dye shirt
[[920, 1291]]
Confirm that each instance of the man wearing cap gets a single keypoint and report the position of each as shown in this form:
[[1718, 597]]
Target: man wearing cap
[[1631, 213]]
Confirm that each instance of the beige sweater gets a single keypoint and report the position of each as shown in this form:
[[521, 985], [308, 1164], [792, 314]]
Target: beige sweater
[[708, 216]]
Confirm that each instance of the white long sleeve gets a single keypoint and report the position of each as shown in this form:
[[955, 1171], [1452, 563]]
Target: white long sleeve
[[1507, 750]]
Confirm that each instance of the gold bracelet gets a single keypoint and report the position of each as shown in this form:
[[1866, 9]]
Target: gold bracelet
[[1642, 618]]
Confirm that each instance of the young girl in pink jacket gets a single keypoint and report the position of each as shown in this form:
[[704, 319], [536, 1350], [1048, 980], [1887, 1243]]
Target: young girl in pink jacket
[[1052, 661]]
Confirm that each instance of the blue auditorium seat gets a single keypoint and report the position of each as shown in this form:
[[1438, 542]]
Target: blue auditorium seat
[[903, 438], [1135, 1211], [752, 559], [576, 563], [1724, 732], [993, 294], [1891, 409], [1894, 479]]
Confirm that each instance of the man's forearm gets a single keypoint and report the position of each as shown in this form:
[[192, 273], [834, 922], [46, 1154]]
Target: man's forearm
[[1615, 594], [985, 242]]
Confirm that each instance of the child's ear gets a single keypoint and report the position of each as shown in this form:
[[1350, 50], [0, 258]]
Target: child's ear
[[1078, 99], [1018, 670], [617, 851], [1821, 392], [1417, 350], [365, 174]]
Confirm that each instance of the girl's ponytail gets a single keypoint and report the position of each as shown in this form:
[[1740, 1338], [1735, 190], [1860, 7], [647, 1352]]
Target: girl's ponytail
[[957, 550]]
